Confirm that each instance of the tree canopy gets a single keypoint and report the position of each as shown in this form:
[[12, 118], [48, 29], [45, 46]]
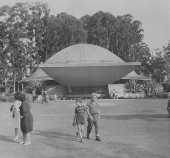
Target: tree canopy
[[30, 34]]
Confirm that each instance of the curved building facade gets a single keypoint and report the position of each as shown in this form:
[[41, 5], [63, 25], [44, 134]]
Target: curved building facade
[[86, 65]]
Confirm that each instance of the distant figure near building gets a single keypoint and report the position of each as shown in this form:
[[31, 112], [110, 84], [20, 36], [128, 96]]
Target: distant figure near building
[[168, 106], [34, 96], [44, 96], [114, 94], [95, 113]]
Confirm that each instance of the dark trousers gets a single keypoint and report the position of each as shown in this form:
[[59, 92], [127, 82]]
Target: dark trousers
[[168, 109], [91, 123], [34, 99]]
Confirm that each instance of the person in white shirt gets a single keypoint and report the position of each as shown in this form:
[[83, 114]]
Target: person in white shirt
[[15, 111]]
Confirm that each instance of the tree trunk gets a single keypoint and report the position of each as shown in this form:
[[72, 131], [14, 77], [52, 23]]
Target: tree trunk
[[14, 90], [18, 86], [6, 90], [22, 86]]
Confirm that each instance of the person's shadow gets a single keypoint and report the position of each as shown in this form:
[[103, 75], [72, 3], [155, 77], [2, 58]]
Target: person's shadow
[[6, 139], [56, 135]]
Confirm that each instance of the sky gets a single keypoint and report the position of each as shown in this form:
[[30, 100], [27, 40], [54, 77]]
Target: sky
[[154, 14]]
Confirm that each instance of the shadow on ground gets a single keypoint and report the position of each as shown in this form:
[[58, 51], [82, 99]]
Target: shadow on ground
[[56, 135], [6, 139], [148, 117], [131, 151]]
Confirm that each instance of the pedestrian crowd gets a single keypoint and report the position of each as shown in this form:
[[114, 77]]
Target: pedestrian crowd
[[85, 116]]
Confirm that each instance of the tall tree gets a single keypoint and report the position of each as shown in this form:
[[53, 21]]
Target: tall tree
[[37, 30], [16, 46], [64, 30], [166, 51], [118, 34]]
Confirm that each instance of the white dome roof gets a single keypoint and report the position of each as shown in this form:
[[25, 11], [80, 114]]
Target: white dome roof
[[84, 53]]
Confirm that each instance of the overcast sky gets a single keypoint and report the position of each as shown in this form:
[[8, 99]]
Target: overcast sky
[[154, 14]]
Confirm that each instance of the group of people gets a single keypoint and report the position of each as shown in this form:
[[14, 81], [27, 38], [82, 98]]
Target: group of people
[[87, 113], [84, 113], [42, 98], [22, 119]]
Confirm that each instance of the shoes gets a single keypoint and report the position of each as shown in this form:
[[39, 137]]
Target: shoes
[[98, 139], [21, 142], [16, 139], [27, 143]]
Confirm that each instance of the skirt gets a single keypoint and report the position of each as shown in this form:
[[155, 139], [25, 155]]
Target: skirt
[[16, 120], [27, 123]]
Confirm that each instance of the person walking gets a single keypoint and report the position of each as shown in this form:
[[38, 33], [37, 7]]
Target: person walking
[[95, 113], [79, 120], [15, 110], [26, 120]]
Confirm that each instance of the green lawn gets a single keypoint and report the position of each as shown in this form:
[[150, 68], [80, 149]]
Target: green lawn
[[129, 129]]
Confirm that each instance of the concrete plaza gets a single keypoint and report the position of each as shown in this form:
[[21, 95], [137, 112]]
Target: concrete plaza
[[129, 129]]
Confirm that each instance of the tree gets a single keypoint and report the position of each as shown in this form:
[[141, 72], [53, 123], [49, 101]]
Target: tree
[[100, 28], [140, 52], [158, 66], [16, 47], [166, 51], [37, 31], [118, 34], [64, 30]]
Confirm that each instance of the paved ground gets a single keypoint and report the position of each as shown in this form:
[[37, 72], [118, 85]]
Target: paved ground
[[129, 129]]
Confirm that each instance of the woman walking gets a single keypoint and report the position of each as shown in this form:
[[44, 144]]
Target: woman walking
[[26, 121]]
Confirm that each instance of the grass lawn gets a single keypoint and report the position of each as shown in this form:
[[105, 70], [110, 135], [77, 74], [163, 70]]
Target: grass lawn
[[128, 128]]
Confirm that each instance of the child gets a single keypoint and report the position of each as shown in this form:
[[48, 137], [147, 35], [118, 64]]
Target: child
[[15, 110], [168, 106], [80, 118]]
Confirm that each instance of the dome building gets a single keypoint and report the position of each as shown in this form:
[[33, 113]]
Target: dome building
[[86, 65]]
